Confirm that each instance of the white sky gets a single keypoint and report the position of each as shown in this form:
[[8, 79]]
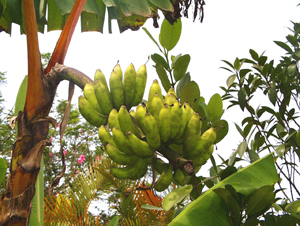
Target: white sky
[[229, 30]]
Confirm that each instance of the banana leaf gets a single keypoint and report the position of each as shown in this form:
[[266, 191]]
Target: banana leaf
[[130, 14], [210, 209]]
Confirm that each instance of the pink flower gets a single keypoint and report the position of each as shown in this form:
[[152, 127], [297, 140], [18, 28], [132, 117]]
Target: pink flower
[[98, 158], [51, 154], [77, 171], [65, 152], [59, 124], [80, 130], [51, 138], [80, 161], [82, 157]]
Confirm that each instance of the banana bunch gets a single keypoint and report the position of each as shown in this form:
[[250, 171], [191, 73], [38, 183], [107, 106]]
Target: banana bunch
[[165, 122], [99, 100], [125, 146]]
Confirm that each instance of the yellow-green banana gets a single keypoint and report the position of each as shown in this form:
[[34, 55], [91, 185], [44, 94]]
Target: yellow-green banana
[[192, 133], [90, 114], [140, 116], [139, 147], [118, 70], [113, 120], [126, 123], [105, 136], [152, 132], [119, 157], [104, 97], [170, 97], [156, 106], [164, 179], [164, 123], [134, 171], [202, 159], [155, 88], [203, 144], [121, 141], [187, 113], [99, 76], [140, 85], [160, 166], [89, 94], [176, 119], [116, 89], [128, 85]]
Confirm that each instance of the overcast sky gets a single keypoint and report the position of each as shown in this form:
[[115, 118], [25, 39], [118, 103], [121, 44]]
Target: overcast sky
[[230, 28]]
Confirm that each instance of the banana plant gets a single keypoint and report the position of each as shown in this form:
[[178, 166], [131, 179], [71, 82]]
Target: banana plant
[[33, 121]]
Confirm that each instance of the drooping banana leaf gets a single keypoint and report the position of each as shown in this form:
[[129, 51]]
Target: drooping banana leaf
[[130, 14]]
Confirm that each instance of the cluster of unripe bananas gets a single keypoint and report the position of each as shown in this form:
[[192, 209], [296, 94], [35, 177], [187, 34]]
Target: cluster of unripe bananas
[[162, 127], [99, 100]]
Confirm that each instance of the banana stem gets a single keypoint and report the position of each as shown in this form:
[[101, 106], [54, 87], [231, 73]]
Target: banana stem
[[60, 72], [177, 160]]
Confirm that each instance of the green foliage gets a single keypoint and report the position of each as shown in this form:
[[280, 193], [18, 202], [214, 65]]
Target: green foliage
[[272, 125], [240, 196], [6, 133], [80, 145]]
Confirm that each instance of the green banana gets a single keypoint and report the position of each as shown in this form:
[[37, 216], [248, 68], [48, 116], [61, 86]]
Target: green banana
[[202, 159], [89, 94], [170, 97], [180, 178], [128, 85], [156, 106], [139, 147], [121, 141], [176, 118], [89, 113], [164, 123], [187, 113], [140, 85], [126, 123], [165, 179], [104, 97], [160, 166], [133, 171], [105, 136], [119, 157], [113, 120], [192, 133], [203, 144], [155, 88], [99, 76], [209, 136], [140, 116], [151, 130], [116, 89]]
